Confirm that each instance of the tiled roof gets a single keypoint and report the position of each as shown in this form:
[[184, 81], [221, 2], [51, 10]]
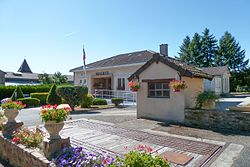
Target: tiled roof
[[215, 70], [183, 68], [24, 68], [121, 59]]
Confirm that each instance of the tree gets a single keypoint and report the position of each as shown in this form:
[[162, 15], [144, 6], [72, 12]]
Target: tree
[[52, 97], [184, 54], [73, 95], [195, 51], [44, 78], [17, 94], [58, 78], [230, 53], [208, 48]]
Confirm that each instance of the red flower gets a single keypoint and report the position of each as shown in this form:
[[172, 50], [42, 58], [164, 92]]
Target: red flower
[[15, 140]]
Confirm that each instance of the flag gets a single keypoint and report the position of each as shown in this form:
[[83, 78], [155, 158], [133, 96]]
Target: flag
[[84, 62]]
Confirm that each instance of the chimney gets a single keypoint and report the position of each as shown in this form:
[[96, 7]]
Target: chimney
[[164, 49]]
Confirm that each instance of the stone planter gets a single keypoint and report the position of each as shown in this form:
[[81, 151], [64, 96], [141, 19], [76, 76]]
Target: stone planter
[[11, 114], [209, 105], [53, 129]]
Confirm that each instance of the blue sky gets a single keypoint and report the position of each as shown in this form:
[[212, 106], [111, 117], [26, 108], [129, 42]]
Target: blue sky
[[50, 33]]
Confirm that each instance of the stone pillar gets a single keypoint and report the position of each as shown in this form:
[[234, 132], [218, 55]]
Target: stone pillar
[[52, 147], [9, 128]]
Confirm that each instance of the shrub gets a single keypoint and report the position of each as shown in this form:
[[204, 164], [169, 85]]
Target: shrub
[[98, 101], [117, 101], [243, 89], [53, 97], [29, 138], [87, 101], [205, 97], [73, 95], [13, 105], [30, 102], [41, 96], [18, 93]]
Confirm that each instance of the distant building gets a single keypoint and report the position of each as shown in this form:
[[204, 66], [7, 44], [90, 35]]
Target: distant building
[[221, 79], [24, 76], [2, 77]]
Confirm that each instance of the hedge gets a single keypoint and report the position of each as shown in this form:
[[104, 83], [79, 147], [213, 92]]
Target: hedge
[[53, 98], [6, 91], [98, 101], [30, 102], [117, 101], [41, 96]]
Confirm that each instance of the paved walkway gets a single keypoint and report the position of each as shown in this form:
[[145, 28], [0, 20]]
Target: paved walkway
[[107, 136]]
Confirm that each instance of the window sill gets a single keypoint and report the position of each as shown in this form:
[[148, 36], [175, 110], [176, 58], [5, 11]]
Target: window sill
[[158, 97]]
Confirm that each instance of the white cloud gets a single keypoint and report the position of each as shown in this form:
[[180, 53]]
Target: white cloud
[[70, 34]]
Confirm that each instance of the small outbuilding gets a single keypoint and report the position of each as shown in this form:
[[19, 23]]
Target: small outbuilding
[[221, 79], [155, 99]]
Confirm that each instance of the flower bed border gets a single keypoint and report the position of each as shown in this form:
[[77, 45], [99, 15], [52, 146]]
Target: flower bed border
[[19, 155]]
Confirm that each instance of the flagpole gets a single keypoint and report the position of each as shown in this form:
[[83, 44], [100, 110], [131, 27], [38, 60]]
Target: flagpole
[[84, 64]]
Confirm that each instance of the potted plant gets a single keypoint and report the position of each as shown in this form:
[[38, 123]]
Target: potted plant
[[11, 109], [134, 86], [54, 119], [206, 100], [177, 85]]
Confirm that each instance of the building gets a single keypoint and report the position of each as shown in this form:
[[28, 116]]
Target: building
[[24, 76], [2, 77], [221, 79], [112, 73], [155, 99]]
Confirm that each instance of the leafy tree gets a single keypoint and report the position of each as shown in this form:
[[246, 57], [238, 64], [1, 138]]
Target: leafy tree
[[45, 78], [230, 53], [195, 50], [73, 95], [208, 48], [58, 78], [52, 97], [18, 93], [184, 54]]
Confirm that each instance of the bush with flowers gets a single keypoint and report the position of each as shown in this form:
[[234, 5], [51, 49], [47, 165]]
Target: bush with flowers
[[27, 137], [12, 105], [134, 86], [177, 85], [51, 113], [139, 157]]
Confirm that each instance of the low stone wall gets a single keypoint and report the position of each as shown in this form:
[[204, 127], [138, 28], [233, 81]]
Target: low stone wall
[[227, 120], [19, 156]]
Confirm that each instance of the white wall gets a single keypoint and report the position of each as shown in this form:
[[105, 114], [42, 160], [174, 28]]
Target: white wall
[[159, 108]]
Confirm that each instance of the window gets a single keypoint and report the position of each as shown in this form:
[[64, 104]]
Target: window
[[80, 81], [158, 90], [121, 84]]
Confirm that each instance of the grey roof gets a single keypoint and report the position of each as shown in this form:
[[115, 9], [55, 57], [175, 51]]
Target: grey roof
[[2, 72], [183, 68], [24, 68], [28, 76], [121, 59], [220, 70]]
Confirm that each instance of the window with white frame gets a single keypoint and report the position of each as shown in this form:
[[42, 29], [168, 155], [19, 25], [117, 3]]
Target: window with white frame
[[158, 90], [121, 84]]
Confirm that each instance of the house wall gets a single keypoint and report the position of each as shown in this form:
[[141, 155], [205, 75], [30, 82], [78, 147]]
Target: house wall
[[114, 73], [194, 87], [159, 108], [226, 83]]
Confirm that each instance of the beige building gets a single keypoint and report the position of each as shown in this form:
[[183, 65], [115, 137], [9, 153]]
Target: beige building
[[155, 100]]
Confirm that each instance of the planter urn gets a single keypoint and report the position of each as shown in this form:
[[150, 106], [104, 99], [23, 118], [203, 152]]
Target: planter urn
[[11, 114], [53, 129]]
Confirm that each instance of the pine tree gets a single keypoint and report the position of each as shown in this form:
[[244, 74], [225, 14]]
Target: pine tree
[[230, 53], [53, 98], [184, 54], [195, 51], [18, 93], [208, 48]]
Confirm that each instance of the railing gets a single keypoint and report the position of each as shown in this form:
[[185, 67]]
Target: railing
[[126, 95]]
